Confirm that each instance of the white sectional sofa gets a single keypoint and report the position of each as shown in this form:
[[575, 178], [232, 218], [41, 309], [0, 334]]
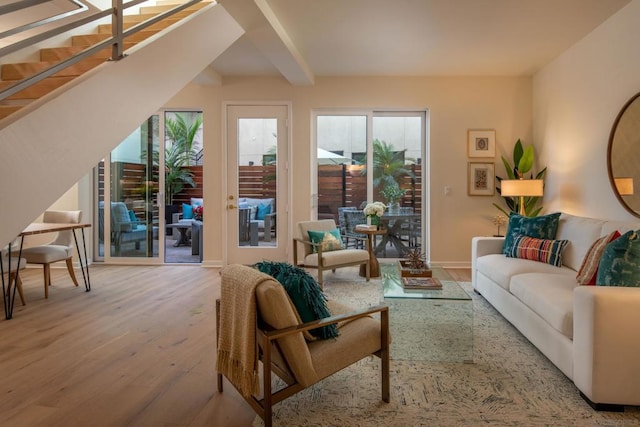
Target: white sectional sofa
[[591, 333]]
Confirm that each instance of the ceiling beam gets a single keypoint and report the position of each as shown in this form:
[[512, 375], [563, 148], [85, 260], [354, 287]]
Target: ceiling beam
[[266, 32]]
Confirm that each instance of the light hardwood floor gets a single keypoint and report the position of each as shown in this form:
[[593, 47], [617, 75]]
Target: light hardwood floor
[[139, 350]]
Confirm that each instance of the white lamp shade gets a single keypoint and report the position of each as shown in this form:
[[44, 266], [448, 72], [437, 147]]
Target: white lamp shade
[[521, 187], [624, 186]]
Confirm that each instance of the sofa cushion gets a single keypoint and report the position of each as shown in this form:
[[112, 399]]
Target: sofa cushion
[[501, 269], [541, 227], [589, 268], [550, 296], [541, 250], [620, 262], [263, 210], [187, 211], [581, 232]]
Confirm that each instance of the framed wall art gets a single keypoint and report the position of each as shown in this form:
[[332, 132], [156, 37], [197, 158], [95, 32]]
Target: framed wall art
[[481, 179], [481, 143]]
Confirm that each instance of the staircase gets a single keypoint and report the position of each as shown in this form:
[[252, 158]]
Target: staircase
[[11, 73], [57, 137]]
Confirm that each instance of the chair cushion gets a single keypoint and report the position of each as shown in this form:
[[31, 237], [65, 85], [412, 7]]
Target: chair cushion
[[329, 240], [338, 258], [46, 254], [330, 356], [276, 310], [306, 295]]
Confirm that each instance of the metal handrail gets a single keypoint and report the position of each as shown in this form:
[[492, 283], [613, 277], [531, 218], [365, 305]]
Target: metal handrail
[[116, 40]]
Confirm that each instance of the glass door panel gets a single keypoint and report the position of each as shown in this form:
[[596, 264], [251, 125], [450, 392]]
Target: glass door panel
[[257, 184], [398, 143], [130, 228]]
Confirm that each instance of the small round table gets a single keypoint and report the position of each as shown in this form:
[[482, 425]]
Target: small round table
[[374, 265]]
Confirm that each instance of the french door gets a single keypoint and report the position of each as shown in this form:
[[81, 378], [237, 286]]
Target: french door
[[257, 183]]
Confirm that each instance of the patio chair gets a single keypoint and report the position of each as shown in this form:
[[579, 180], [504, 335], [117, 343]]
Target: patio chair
[[321, 259], [353, 217], [256, 311]]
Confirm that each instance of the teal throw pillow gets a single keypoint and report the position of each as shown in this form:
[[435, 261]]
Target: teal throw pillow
[[541, 250], [263, 210], [329, 240], [305, 294], [540, 227], [620, 262], [132, 216], [187, 211]]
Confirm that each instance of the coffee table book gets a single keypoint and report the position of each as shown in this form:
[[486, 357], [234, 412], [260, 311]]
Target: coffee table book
[[423, 283]]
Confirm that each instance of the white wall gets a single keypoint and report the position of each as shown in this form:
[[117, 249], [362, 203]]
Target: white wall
[[455, 105], [576, 100]]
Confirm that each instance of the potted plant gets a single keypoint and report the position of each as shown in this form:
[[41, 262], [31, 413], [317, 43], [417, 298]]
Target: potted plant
[[523, 159], [393, 193]]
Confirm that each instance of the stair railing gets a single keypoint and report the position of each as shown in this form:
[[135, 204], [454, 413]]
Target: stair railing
[[116, 41]]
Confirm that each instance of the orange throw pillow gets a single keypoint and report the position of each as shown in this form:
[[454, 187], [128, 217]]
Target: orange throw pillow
[[589, 268]]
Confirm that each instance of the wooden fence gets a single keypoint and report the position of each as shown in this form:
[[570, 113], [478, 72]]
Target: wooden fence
[[338, 185]]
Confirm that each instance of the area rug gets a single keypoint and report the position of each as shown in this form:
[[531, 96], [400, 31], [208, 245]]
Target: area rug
[[510, 383]]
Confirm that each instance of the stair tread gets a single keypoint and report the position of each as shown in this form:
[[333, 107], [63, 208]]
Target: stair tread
[[21, 70], [10, 73]]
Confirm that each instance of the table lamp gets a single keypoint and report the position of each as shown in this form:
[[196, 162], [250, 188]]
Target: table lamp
[[624, 186], [521, 188]]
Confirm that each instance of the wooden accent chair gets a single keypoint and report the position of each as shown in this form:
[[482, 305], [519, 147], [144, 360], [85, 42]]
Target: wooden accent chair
[[59, 249], [315, 257], [278, 338]]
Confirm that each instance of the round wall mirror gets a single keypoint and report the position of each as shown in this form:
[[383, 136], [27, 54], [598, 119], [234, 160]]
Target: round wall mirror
[[623, 156]]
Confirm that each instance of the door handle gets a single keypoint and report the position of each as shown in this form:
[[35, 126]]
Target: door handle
[[231, 206]]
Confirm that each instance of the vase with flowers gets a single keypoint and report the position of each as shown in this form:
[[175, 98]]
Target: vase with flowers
[[373, 212]]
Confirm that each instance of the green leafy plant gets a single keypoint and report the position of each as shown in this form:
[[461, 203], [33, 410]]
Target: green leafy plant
[[392, 193], [388, 165], [181, 131], [523, 159]]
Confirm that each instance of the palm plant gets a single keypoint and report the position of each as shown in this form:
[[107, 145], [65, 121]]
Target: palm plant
[[388, 167], [176, 175], [522, 163], [181, 131]]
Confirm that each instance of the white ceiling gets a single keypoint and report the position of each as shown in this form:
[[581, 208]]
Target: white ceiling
[[302, 39]]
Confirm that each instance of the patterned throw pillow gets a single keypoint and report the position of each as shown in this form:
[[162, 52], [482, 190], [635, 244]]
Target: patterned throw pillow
[[589, 268], [330, 240], [542, 250], [620, 262], [540, 227]]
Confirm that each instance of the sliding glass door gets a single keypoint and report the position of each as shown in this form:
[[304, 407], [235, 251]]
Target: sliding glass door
[[373, 156], [128, 183]]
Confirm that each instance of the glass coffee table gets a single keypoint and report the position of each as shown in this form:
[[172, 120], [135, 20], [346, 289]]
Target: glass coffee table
[[433, 325]]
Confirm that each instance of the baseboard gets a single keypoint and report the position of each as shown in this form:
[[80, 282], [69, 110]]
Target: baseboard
[[608, 407]]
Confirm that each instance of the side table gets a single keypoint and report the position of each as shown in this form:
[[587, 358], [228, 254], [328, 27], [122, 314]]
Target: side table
[[374, 265]]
